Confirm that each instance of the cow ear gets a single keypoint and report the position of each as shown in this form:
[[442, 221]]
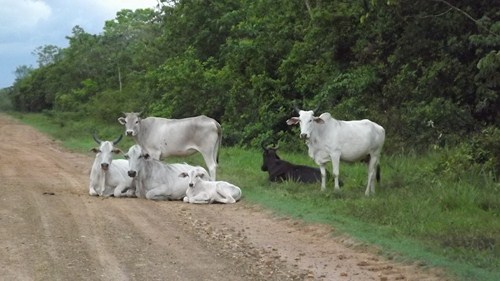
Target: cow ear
[[122, 121], [117, 151], [319, 120], [94, 149], [292, 121], [183, 175]]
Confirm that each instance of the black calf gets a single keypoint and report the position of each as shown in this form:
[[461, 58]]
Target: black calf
[[281, 170]]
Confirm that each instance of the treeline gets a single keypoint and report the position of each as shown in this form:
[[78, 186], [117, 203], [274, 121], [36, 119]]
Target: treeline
[[426, 70]]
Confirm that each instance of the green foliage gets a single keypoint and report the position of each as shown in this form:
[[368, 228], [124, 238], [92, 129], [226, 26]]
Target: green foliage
[[185, 86], [428, 72], [480, 153], [73, 101], [5, 102]]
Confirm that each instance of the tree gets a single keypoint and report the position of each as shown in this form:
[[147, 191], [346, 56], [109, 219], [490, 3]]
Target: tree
[[47, 54], [22, 71]]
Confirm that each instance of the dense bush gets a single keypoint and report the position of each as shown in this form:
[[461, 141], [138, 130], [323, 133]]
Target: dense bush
[[426, 71]]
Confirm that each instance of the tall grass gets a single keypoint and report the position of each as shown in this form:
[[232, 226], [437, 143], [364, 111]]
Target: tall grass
[[418, 212]]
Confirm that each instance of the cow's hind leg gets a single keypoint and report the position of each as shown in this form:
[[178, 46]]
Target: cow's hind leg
[[372, 170], [224, 197], [211, 165], [336, 170]]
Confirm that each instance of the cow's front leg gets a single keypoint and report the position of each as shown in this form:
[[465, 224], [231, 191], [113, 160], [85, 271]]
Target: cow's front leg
[[335, 170], [108, 191], [130, 192], [323, 176], [118, 192], [155, 153], [211, 165], [92, 191], [200, 198], [158, 193]]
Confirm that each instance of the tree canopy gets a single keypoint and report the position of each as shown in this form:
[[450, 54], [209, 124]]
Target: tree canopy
[[428, 71]]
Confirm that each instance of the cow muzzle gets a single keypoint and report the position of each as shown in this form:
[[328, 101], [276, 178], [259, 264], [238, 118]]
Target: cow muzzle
[[132, 174], [129, 133], [104, 166], [304, 136], [191, 184]]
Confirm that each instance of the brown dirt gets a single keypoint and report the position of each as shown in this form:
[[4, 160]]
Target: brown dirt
[[51, 229]]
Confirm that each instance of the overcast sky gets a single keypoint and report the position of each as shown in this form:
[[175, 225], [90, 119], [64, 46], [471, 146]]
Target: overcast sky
[[28, 24]]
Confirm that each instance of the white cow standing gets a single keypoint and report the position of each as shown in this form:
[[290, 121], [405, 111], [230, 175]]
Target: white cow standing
[[162, 137], [154, 179], [107, 176], [202, 191], [333, 140]]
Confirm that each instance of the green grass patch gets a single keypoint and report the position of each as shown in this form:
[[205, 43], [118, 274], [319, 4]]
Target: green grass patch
[[417, 214]]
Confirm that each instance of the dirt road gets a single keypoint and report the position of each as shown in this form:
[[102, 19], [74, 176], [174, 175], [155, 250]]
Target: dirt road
[[51, 229]]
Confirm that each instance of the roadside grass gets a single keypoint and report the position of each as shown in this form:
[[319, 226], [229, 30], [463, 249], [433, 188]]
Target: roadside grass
[[418, 213]]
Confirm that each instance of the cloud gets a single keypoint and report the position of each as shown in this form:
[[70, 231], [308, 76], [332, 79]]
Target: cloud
[[115, 5], [21, 16], [28, 24]]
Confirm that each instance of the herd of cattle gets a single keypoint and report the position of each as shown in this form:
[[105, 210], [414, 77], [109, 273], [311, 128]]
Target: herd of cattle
[[142, 174]]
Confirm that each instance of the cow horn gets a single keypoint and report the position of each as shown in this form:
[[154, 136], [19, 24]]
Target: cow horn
[[117, 140], [295, 107], [263, 146], [317, 108], [96, 138]]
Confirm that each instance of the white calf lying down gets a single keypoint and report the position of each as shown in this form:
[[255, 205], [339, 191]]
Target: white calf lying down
[[154, 179], [203, 191], [107, 176]]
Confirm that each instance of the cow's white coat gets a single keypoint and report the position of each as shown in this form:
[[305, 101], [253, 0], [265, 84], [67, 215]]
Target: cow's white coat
[[162, 137], [154, 179], [333, 140], [202, 191], [107, 176]]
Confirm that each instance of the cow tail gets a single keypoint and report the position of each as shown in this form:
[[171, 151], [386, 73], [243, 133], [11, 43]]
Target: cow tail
[[378, 172]]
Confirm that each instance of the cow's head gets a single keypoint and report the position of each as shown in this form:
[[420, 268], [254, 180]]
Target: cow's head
[[269, 156], [136, 157], [131, 121], [104, 153], [306, 120], [195, 175]]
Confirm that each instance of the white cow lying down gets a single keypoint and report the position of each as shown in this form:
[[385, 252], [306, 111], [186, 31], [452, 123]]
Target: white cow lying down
[[154, 179], [203, 191], [107, 176]]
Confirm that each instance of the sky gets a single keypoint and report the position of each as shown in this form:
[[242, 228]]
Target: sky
[[28, 24]]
